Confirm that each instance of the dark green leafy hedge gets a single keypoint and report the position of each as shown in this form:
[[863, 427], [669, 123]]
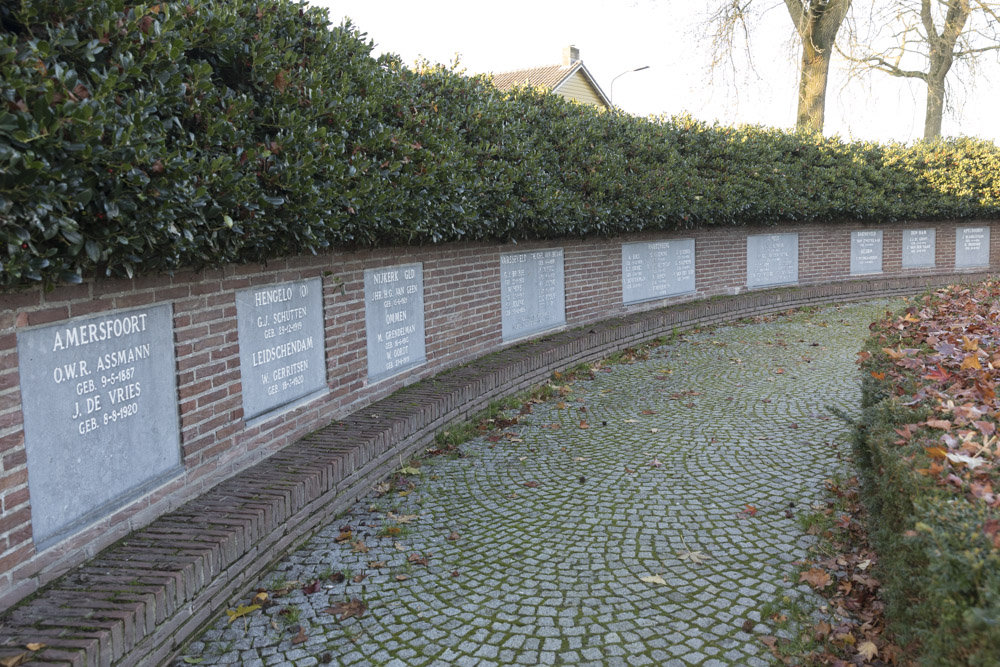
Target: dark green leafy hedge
[[199, 132], [926, 448]]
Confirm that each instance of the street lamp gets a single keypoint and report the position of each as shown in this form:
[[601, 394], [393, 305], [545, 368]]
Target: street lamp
[[612, 97]]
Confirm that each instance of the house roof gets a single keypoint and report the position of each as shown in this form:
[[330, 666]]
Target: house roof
[[548, 76]]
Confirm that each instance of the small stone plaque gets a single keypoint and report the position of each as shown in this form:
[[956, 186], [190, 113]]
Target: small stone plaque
[[394, 317], [99, 397], [866, 252], [657, 269], [772, 259], [281, 344], [918, 248], [972, 247], [532, 292]]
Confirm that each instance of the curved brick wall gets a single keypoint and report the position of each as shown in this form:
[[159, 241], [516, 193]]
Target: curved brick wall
[[462, 320]]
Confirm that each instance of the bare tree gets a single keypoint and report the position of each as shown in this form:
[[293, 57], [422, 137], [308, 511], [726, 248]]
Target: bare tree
[[816, 23], [924, 39]]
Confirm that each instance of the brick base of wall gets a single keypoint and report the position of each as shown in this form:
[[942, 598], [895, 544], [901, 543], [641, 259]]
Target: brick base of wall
[[139, 600]]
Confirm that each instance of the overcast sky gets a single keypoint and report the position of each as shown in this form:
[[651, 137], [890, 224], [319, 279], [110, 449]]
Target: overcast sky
[[619, 35]]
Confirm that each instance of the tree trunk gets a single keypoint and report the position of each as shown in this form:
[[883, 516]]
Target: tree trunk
[[817, 22], [935, 108], [813, 75]]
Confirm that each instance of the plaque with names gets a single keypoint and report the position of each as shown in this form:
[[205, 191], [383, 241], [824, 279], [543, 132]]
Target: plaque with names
[[281, 344], [394, 319], [772, 259], [532, 292], [99, 398], [866, 252], [657, 269], [918, 248], [972, 247]]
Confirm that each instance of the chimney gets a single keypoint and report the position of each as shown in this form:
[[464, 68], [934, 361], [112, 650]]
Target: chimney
[[571, 55]]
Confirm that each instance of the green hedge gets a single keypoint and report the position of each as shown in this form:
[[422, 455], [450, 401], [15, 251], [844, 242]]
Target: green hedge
[[188, 133], [934, 521]]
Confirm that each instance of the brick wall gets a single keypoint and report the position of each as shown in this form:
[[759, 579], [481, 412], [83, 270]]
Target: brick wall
[[462, 320]]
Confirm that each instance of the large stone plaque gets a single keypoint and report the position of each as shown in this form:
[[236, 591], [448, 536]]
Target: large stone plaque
[[866, 252], [99, 398], [281, 344], [394, 317], [657, 269], [532, 292], [918, 248], [772, 259], [972, 247]]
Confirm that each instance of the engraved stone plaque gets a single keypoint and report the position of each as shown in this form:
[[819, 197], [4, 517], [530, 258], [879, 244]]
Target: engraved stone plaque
[[657, 269], [394, 317], [918, 248], [972, 247], [532, 292], [772, 259], [866, 252], [99, 397], [281, 344]]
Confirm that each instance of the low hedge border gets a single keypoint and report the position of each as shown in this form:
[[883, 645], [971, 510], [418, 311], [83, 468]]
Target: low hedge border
[[928, 460]]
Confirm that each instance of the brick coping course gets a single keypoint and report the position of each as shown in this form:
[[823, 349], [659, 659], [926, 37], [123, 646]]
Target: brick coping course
[[138, 601]]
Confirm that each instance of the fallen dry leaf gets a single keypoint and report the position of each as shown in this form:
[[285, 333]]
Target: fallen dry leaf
[[654, 579], [36, 646], [696, 557], [532, 484], [344, 536], [418, 559], [310, 588], [453, 536], [402, 577], [348, 609], [376, 564], [15, 660], [301, 636], [360, 547], [868, 650], [241, 610], [815, 577]]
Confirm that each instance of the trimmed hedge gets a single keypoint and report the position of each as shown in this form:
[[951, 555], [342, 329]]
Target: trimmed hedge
[[926, 448], [193, 133]]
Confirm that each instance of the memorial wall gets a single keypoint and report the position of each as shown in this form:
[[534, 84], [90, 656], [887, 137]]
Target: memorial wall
[[120, 400]]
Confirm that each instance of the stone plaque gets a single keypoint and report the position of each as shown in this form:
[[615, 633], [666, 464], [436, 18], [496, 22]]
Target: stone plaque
[[772, 259], [281, 344], [918, 248], [394, 317], [866, 252], [972, 247], [532, 292], [99, 397], [657, 269]]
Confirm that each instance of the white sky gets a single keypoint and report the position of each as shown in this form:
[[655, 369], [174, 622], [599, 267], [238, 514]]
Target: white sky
[[618, 35]]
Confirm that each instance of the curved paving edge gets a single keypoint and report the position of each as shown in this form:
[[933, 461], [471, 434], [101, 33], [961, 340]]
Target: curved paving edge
[[137, 601]]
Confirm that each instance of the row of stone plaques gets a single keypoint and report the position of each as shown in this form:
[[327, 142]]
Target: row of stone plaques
[[99, 394]]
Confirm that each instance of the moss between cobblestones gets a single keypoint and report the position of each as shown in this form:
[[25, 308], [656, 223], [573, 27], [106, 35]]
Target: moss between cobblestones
[[555, 570]]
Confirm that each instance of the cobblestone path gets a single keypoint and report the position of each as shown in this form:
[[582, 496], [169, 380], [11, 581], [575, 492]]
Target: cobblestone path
[[671, 451]]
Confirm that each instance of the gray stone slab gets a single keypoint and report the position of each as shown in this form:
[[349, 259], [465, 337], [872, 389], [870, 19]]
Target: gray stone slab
[[657, 269], [532, 292], [866, 252], [772, 259], [972, 247], [99, 397], [918, 248], [394, 319], [281, 344]]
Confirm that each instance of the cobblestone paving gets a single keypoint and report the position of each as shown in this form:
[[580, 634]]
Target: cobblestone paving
[[677, 446]]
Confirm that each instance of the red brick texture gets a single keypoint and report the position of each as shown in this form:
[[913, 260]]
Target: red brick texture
[[202, 537]]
